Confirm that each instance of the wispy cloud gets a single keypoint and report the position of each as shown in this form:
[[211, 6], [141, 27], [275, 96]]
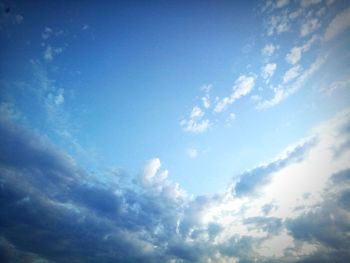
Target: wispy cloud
[[338, 24], [268, 70], [243, 86]]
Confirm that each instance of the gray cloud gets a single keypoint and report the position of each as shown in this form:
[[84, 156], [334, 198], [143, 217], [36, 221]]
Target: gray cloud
[[251, 180], [67, 216]]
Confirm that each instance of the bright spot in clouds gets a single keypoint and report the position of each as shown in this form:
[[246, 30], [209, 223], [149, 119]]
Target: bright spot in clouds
[[175, 132]]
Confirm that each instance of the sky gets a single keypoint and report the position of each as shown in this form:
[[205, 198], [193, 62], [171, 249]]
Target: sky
[[175, 131]]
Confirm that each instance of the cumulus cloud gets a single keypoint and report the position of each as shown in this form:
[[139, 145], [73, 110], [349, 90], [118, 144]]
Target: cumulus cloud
[[75, 217], [195, 123], [243, 86], [338, 25]]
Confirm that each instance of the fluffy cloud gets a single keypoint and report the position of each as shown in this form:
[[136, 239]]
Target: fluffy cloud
[[195, 123], [298, 211], [243, 86]]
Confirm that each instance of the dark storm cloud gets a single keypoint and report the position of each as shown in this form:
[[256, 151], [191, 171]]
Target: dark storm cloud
[[251, 180]]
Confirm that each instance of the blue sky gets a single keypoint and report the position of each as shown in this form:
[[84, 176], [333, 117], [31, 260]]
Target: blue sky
[[171, 121]]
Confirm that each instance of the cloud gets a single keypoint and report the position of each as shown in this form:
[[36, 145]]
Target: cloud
[[268, 70], [50, 52], [277, 24], [195, 123], [309, 26], [254, 179], [243, 86], [269, 49], [294, 55], [47, 33], [340, 23], [70, 216], [281, 3], [327, 225], [305, 3], [281, 93], [292, 73]]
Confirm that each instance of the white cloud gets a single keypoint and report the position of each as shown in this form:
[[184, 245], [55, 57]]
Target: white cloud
[[195, 126], [195, 123], [309, 26], [277, 24], [338, 25], [294, 55], [150, 170], [282, 93], [156, 180], [268, 70], [269, 49], [292, 73], [192, 152], [243, 86], [336, 85], [196, 112], [206, 88], [206, 102]]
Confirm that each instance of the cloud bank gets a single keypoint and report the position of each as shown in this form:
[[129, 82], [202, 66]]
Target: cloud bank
[[287, 210]]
